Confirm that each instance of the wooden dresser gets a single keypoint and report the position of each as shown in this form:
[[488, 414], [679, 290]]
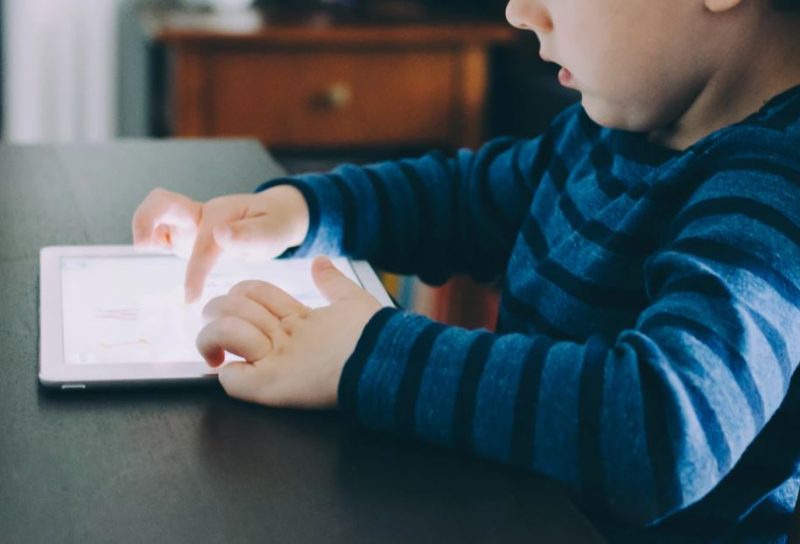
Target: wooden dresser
[[316, 81]]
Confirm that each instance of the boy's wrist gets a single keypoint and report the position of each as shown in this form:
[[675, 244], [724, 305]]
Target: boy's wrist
[[347, 391], [297, 211], [307, 221]]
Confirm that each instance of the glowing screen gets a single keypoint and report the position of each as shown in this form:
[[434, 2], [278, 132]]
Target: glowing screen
[[132, 309]]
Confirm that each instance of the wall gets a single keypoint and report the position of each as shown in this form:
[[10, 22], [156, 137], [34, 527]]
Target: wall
[[2, 68], [136, 60], [60, 65]]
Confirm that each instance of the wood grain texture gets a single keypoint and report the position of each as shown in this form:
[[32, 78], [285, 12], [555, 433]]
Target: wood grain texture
[[317, 28], [190, 96], [472, 87], [325, 84], [288, 99]]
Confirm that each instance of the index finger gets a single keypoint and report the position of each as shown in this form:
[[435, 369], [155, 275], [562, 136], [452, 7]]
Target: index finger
[[205, 255]]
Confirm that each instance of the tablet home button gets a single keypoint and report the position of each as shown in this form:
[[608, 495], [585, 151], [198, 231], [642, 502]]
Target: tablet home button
[[73, 386]]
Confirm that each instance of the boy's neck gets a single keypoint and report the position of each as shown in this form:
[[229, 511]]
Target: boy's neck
[[750, 76]]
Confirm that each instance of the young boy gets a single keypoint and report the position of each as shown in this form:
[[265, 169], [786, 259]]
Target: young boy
[[649, 241]]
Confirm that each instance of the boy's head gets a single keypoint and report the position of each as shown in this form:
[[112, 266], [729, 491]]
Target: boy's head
[[643, 65]]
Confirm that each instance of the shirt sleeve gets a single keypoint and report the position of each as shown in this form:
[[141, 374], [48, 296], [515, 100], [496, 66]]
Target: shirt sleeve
[[433, 216], [645, 423]]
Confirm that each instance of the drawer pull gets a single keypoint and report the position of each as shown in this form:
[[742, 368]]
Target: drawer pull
[[338, 96]]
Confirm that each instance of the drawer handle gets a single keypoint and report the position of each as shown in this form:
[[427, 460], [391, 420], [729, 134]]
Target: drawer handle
[[339, 95]]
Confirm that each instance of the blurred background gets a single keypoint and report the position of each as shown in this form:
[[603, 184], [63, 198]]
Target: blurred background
[[318, 82]]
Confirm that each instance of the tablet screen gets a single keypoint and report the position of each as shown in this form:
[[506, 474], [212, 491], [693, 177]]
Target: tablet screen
[[131, 309]]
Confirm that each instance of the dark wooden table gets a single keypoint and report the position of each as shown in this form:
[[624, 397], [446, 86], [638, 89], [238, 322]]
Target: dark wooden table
[[191, 465]]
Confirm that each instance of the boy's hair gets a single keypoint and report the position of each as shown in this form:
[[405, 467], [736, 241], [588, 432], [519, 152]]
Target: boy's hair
[[786, 5]]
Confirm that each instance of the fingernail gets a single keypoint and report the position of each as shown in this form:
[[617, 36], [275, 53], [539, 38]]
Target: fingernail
[[190, 294]]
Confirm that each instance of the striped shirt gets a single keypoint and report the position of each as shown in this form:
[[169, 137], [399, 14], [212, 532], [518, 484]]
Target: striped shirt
[[649, 327]]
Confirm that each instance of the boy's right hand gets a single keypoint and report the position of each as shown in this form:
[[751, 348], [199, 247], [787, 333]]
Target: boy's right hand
[[261, 225]]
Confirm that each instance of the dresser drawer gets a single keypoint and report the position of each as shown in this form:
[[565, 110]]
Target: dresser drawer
[[329, 98]]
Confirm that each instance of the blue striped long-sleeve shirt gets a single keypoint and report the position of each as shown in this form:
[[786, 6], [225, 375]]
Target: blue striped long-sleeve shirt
[[649, 324]]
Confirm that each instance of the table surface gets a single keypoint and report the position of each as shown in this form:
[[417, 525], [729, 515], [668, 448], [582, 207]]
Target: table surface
[[190, 464]]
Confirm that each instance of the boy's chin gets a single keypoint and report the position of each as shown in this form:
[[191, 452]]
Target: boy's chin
[[614, 116]]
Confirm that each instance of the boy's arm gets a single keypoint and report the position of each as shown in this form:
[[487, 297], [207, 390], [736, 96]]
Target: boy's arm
[[643, 424], [433, 216]]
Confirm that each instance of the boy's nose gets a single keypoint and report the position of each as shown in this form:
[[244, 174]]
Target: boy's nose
[[529, 15]]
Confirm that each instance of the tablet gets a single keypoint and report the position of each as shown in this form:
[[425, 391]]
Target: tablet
[[116, 316]]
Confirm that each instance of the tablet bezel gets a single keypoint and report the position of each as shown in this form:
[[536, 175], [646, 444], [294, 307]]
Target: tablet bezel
[[54, 372]]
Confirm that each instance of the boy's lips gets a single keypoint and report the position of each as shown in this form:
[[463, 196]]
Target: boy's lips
[[565, 77]]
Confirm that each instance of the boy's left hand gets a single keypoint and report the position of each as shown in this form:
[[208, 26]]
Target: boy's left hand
[[293, 355]]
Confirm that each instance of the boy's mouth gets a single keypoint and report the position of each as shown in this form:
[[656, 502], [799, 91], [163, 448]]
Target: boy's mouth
[[565, 77]]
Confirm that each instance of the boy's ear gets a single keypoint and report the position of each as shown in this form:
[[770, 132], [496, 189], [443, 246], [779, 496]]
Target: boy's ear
[[719, 6]]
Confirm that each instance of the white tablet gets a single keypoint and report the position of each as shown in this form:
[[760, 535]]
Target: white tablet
[[113, 315]]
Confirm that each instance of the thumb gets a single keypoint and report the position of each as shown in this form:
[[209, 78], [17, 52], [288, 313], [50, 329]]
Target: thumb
[[238, 380], [331, 282]]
